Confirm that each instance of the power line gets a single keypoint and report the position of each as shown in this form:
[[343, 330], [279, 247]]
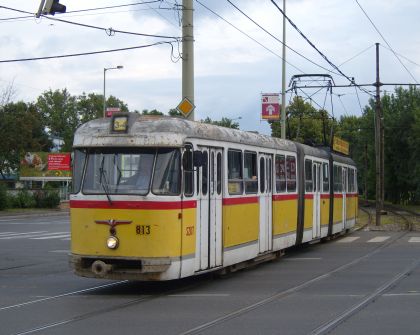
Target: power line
[[407, 59], [277, 39], [116, 6], [358, 54], [250, 37], [87, 53], [109, 31], [310, 43], [382, 36]]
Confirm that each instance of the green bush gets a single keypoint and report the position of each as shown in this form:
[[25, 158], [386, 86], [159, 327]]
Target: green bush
[[24, 199], [4, 200], [47, 199]]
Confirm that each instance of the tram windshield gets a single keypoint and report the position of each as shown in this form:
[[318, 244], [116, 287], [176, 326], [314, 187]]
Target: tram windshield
[[132, 171]]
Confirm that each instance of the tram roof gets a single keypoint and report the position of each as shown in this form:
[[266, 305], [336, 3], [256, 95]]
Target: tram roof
[[168, 131]]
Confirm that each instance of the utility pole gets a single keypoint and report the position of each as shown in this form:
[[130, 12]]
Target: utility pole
[[379, 145], [188, 53], [283, 79]]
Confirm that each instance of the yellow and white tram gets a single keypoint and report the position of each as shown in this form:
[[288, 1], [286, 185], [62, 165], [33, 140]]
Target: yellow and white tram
[[160, 198]]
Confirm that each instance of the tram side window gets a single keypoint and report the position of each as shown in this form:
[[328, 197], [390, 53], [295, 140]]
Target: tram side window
[[291, 173], [250, 172], [280, 173], [325, 177], [167, 177], [187, 162], [338, 185], [219, 173], [235, 180], [204, 173], [351, 180], [79, 159], [308, 176]]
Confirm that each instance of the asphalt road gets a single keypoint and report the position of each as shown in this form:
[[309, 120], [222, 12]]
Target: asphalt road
[[365, 282]]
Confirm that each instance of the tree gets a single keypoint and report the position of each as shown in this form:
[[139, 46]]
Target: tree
[[224, 122], [152, 112], [175, 113], [305, 124], [90, 106], [21, 130], [60, 115]]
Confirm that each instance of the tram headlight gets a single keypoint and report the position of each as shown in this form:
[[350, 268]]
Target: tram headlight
[[112, 242]]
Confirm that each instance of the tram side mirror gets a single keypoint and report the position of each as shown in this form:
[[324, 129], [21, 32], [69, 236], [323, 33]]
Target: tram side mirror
[[198, 158]]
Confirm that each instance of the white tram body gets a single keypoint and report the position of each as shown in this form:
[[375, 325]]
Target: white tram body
[[160, 198]]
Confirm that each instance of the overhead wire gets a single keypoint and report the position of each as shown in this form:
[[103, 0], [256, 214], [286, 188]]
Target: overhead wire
[[247, 35], [357, 55], [407, 59], [87, 53], [274, 37], [383, 38], [109, 31]]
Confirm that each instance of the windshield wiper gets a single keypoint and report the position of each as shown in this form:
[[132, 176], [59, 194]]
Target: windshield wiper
[[103, 175]]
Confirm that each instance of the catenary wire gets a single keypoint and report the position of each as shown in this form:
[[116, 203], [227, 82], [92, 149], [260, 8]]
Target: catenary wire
[[383, 38], [313, 46], [87, 53], [277, 39], [247, 35], [109, 31]]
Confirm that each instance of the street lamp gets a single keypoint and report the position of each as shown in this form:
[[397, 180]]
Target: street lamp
[[119, 67]]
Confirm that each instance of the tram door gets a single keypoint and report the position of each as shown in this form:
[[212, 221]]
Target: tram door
[[209, 210], [266, 195], [317, 177], [344, 184]]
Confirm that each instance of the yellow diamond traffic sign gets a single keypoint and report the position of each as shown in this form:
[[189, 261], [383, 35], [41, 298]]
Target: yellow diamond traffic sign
[[185, 107]]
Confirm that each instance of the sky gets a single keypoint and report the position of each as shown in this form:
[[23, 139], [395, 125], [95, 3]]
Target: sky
[[231, 69]]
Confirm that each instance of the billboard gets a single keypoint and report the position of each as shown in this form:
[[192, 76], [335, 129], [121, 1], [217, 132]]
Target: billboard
[[340, 145], [45, 166], [270, 106]]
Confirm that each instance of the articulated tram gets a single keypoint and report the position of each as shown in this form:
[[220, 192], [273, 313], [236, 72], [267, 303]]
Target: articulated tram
[[160, 198]]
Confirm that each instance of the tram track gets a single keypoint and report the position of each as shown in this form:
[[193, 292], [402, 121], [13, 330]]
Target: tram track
[[285, 293], [322, 329], [332, 324], [186, 286]]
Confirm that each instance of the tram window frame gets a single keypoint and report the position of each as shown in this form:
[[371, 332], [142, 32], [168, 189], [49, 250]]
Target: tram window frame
[[350, 176], [338, 183], [291, 174], [309, 183], [325, 177], [219, 173], [250, 172], [188, 169], [78, 166], [280, 172], [235, 173], [205, 173], [174, 189], [262, 174]]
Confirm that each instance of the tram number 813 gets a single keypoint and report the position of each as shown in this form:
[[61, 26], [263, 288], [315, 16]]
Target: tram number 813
[[143, 230]]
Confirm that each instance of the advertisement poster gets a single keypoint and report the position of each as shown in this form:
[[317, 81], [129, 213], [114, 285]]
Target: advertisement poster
[[39, 165]]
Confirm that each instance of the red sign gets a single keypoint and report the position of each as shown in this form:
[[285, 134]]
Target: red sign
[[112, 110], [59, 161], [270, 106]]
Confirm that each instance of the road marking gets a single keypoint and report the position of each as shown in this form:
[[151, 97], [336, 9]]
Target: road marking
[[62, 295], [50, 237], [348, 239], [7, 232], [60, 251], [22, 235], [378, 239], [414, 239], [199, 295], [303, 259]]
